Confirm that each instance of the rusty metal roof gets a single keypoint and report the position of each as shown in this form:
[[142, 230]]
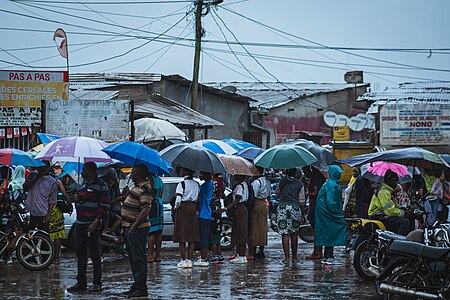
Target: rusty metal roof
[[170, 110], [274, 94], [101, 80]]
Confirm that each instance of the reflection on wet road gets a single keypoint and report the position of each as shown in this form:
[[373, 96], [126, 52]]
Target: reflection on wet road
[[270, 279]]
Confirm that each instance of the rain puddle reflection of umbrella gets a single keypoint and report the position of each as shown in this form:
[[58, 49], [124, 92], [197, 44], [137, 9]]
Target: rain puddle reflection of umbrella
[[236, 165], [193, 157], [285, 157], [133, 154], [18, 157]]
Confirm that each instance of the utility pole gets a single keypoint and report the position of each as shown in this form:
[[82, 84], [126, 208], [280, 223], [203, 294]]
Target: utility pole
[[198, 44]]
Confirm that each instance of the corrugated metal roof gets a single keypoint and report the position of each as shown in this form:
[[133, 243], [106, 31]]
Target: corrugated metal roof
[[92, 95], [101, 80], [273, 94], [436, 92], [174, 112]]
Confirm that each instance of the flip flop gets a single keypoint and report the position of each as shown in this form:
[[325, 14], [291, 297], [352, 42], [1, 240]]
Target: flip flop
[[314, 256], [157, 260], [150, 260]]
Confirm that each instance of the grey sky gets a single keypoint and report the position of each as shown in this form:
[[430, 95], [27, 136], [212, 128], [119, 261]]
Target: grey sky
[[343, 23]]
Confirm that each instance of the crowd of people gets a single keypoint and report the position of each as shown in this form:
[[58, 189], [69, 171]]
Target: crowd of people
[[136, 212]]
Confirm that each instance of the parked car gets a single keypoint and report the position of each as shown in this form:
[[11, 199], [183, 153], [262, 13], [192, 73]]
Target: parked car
[[170, 184]]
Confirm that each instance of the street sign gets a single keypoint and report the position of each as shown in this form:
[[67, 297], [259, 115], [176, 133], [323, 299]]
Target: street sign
[[354, 77]]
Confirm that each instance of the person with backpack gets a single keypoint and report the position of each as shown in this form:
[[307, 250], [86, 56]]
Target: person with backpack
[[216, 222], [239, 235], [289, 215], [186, 223], [262, 189]]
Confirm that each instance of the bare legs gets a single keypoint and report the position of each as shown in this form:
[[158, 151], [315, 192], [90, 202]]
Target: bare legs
[[190, 251], [293, 239], [154, 243], [57, 244]]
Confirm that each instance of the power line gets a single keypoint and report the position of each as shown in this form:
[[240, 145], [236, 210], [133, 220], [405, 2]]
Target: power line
[[264, 68], [322, 45], [108, 2]]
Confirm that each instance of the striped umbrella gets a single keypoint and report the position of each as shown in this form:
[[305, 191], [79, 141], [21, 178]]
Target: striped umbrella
[[215, 146]]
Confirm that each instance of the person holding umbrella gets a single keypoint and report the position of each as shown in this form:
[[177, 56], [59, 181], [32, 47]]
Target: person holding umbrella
[[186, 222], [136, 223]]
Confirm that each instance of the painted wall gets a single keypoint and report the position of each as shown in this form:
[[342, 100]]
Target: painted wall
[[307, 114]]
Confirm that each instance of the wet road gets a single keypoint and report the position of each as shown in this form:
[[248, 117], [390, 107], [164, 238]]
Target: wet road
[[270, 279]]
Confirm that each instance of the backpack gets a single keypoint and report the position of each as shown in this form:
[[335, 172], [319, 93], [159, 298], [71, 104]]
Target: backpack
[[250, 204]]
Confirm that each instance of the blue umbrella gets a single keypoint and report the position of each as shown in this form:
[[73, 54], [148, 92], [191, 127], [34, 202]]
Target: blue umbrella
[[18, 157], [134, 154], [238, 144], [215, 146], [250, 153]]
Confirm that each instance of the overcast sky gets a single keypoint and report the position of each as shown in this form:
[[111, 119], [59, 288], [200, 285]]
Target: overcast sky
[[143, 38]]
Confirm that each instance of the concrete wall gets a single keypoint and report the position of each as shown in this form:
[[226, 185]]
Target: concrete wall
[[230, 112]]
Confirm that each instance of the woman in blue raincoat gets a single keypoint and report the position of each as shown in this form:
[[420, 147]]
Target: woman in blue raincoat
[[331, 229]]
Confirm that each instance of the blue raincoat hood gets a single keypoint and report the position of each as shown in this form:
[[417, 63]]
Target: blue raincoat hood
[[335, 172]]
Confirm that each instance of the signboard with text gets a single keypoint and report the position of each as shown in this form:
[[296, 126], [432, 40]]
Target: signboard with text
[[107, 120], [414, 124], [20, 91]]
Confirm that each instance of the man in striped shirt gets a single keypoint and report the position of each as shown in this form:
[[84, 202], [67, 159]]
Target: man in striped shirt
[[92, 203], [135, 220]]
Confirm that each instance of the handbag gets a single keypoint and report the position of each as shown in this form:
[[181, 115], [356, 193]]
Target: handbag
[[64, 206]]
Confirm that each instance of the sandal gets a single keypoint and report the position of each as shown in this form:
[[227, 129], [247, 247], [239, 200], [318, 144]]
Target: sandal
[[157, 260], [314, 256], [150, 260]]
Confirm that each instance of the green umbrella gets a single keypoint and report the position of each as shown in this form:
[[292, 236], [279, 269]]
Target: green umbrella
[[285, 157]]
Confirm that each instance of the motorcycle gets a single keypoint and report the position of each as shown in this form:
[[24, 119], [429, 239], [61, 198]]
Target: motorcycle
[[34, 248], [369, 258], [416, 271]]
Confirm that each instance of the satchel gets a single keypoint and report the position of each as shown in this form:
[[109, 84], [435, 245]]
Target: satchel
[[64, 206]]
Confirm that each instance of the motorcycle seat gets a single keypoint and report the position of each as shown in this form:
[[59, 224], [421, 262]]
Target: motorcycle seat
[[419, 250], [391, 235]]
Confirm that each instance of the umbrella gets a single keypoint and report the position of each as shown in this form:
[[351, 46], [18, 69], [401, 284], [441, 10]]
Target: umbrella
[[215, 146], [133, 154], [250, 153], [446, 159], [323, 155], [236, 165], [413, 156], [75, 149], [285, 157], [193, 157], [151, 129], [238, 144], [375, 171], [18, 157], [47, 138]]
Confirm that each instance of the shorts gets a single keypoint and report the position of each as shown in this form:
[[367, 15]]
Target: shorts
[[204, 227]]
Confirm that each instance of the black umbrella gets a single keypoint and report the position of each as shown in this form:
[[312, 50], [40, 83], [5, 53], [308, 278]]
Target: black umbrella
[[414, 156]]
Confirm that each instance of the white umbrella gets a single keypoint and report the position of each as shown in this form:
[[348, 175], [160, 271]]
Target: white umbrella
[[75, 149], [151, 129]]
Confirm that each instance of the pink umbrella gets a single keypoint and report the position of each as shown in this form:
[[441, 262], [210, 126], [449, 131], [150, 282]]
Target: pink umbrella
[[380, 167]]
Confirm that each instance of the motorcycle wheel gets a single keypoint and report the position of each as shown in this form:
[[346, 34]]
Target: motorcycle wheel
[[38, 259], [407, 278], [361, 262]]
